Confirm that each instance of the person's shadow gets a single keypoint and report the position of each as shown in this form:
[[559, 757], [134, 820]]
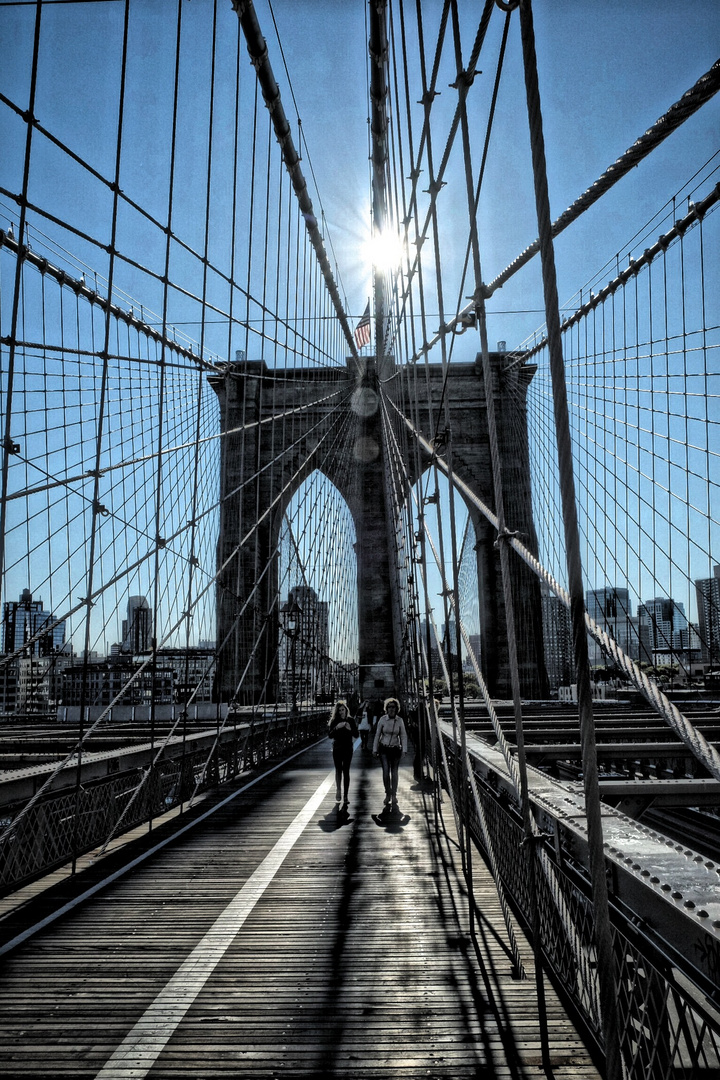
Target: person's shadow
[[335, 818], [391, 820]]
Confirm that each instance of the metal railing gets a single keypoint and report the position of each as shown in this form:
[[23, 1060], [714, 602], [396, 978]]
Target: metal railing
[[74, 820], [665, 944]]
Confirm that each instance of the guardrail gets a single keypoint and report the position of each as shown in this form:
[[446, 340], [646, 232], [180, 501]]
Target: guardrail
[[665, 910], [119, 790]]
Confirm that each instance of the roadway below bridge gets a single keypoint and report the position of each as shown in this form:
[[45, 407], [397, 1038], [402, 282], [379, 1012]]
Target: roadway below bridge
[[278, 936]]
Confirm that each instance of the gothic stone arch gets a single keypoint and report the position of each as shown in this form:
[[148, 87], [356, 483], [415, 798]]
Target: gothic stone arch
[[262, 465]]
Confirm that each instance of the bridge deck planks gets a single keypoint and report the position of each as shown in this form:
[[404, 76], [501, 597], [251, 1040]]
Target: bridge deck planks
[[355, 962]]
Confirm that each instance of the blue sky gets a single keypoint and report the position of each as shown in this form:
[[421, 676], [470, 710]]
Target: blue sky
[[607, 72]]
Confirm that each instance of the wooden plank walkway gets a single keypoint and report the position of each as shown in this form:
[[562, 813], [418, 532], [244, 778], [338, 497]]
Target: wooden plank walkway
[[351, 959]]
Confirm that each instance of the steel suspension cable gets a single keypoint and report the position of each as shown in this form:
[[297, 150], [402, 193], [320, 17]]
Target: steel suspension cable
[[694, 216], [398, 460], [426, 99], [508, 599], [602, 927], [704, 89], [259, 56], [86, 734], [549, 870], [686, 731]]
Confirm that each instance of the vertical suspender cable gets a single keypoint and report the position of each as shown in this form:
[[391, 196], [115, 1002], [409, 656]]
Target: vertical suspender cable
[[603, 939], [192, 558], [8, 447], [259, 57], [460, 737], [159, 542], [100, 436], [496, 463], [379, 152], [413, 212], [408, 375]]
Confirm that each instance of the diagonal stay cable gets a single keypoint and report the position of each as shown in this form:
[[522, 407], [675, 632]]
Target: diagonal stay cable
[[550, 871], [480, 810], [257, 49], [328, 453], [683, 728], [163, 542], [438, 182], [168, 635], [175, 449], [702, 91]]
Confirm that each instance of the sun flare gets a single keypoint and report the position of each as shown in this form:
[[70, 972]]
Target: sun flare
[[384, 251]]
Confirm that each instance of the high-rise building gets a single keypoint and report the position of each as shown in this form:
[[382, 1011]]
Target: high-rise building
[[30, 681], [557, 638], [433, 658], [610, 609], [688, 654], [26, 623], [708, 603], [304, 656], [137, 629], [475, 641], [661, 623]]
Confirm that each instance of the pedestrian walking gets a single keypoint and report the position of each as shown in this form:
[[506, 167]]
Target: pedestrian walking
[[390, 743], [365, 725], [342, 729]]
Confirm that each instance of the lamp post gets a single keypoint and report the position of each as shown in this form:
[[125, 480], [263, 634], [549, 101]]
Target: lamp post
[[291, 613]]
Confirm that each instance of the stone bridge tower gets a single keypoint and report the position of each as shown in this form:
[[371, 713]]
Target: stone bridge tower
[[262, 467]]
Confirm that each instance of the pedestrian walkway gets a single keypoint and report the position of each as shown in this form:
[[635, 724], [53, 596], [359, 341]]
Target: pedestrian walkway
[[281, 937]]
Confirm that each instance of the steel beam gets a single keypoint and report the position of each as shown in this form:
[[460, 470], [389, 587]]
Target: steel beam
[[669, 893]]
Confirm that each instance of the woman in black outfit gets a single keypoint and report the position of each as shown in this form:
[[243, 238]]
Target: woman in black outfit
[[342, 729]]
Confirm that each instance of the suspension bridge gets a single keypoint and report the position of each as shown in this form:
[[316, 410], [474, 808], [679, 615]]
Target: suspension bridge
[[230, 497]]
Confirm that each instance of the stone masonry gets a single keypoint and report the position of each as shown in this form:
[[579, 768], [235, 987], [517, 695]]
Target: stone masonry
[[339, 433]]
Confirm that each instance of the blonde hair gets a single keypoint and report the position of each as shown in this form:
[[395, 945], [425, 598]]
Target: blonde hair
[[391, 701]]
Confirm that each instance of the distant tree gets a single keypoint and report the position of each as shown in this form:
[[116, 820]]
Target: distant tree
[[439, 687], [470, 685], [665, 673]]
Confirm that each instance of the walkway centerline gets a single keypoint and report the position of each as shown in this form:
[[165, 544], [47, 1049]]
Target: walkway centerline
[[139, 1050]]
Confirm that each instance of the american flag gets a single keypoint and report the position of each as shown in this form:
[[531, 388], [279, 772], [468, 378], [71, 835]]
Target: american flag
[[362, 330]]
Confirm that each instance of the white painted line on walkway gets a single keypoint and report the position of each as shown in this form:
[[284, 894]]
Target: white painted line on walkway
[[77, 900], [137, 1053]]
